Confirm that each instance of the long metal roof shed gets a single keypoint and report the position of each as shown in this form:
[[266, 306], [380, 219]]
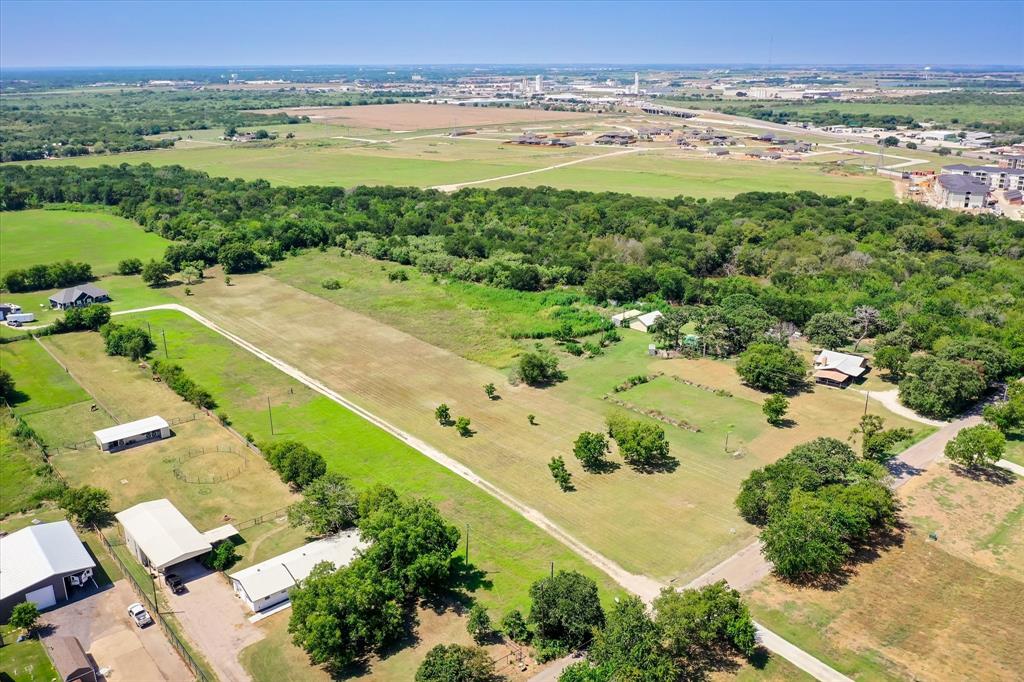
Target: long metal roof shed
[[123, 431], [162, 533]]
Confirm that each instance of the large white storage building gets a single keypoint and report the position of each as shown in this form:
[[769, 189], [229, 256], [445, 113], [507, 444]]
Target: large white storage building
[[39, 563], [132, 433]]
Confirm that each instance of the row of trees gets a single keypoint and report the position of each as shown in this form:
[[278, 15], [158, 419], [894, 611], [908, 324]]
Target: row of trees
[[935, 274], [46, 276], [174, 376], [294, 462]]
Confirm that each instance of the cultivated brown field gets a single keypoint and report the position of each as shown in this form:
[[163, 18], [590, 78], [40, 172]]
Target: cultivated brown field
[[423, 116]]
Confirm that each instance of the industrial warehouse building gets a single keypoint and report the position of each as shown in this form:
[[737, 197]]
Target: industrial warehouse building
[[41, 564], [269, 583], [133, 433], [160, 536]]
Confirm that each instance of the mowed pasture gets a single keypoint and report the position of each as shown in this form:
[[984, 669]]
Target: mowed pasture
[[506, 551], [622, 515], [414, 116], [39, 236], [937, 609]]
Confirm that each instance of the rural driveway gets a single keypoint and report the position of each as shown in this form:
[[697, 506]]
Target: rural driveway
[[100, 622], [643, 586], [214, 619]]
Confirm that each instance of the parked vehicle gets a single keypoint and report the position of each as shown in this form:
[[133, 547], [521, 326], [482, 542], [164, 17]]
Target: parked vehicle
[[140, 615], [174, 581], [13, 323]]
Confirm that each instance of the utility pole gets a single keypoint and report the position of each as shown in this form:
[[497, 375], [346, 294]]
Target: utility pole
[[271, 416], [867, 394], [467, 544], [164, 336], [552, 569]]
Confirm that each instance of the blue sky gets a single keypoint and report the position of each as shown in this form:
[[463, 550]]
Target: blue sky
[[125, 33]]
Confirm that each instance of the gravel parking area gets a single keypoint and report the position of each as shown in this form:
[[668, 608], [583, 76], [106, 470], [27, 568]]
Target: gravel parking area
[[100, 622]]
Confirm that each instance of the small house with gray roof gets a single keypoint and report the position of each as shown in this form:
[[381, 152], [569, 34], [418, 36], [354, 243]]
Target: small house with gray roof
[[78, 296]]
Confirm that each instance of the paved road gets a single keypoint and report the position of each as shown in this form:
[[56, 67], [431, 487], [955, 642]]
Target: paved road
[[640, 585], [454, 186]]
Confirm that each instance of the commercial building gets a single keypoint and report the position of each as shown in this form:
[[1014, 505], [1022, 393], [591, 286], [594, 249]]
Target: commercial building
[[160, 536], [960, 191], [997, 177], [133, 433], [269, 583], [41, 564]]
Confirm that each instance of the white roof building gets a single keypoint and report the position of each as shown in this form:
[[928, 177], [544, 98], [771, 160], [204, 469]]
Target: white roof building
[[41, 557], [838, 369], [124, 435], [644, 322], [622, 319], [159, 535], [268, 583]]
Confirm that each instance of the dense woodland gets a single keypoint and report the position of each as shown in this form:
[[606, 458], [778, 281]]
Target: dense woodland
[[928, 278], [75, 124]]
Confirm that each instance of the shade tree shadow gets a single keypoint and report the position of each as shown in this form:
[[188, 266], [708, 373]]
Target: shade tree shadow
[[985, 474]]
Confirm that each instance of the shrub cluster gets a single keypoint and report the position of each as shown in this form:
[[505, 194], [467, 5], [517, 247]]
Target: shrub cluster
[[130, 342], [294, 462], [174, 376], [39, 277]]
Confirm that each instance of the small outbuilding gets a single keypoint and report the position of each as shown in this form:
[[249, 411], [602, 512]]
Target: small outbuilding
[[833, 368], [40, 564], [270, 583], [623, 319], [160, 536], [645, 322], [70, 660], [133, 433], [76, 297]]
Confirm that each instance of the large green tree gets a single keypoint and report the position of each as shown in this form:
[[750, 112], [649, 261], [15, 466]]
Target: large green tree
[[976, 446], [940, 388], [86, 505], [772, 368], [456, 663], [706, 620], [565, 608], [328, 505]]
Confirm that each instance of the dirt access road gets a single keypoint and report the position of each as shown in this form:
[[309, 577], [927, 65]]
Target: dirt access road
[[642, 586]]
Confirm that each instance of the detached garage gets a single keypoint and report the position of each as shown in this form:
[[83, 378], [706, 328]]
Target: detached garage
[[41, 564], [160, 536]]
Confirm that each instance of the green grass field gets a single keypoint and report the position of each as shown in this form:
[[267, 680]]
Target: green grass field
[[21, 470], [473, 320], [43, 383], [427, 162], [666, 175], [24, 661], [99, 239]]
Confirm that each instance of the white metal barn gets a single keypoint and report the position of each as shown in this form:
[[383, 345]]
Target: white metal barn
[[132, 433], [160, 536], [39, 563], [268, 583]]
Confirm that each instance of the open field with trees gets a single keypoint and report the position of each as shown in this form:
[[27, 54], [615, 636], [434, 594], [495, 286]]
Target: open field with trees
[[412, 116], [937, 602], [99, 239], [504, 438]]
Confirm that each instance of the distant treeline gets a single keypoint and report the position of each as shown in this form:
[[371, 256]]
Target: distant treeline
[[935, 275], [75, 124]]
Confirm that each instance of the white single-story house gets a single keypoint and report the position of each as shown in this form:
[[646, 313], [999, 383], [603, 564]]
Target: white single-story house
[[132, 433], [76, 297], [833, 368], [39, 563], [623, 319], [269, 583], [644, 322], [160, 536]]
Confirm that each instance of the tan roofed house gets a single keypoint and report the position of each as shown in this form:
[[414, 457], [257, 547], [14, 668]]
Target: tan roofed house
[[645, 322], [833, 368]]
